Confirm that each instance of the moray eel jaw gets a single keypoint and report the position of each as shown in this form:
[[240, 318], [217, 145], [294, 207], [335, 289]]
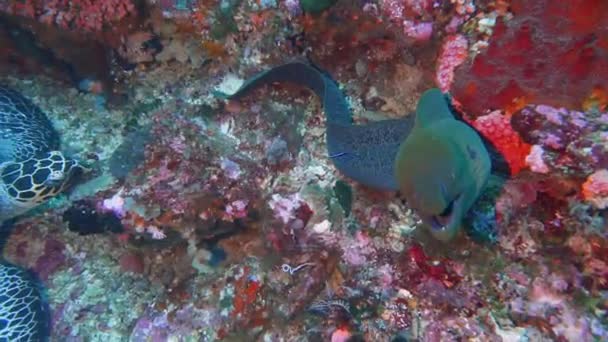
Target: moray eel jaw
[[446, 218], [445, 225], [442, 167]]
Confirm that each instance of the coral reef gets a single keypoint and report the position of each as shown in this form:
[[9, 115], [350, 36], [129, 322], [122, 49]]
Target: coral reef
[[524, 61], [210, 220]]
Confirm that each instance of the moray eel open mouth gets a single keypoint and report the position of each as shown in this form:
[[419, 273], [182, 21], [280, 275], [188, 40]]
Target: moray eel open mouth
[[446, 218]]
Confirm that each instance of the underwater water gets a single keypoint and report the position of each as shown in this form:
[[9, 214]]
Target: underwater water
[[303, 170]]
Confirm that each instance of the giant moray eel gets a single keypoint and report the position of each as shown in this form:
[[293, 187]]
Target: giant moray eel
[[32, 171], [438, 163]]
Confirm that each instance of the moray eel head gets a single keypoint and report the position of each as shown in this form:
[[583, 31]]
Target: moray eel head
[[442, 167]]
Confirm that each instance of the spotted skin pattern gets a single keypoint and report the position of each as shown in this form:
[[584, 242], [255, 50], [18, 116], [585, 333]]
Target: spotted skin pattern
[[439, 164], [23, 312]]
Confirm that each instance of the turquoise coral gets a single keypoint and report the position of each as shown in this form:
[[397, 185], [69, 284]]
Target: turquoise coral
[[316, 6]]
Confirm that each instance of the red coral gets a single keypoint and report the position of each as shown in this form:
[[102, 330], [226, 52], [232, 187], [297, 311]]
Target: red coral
[[552, 52], [595, 189], [497, 128], [246, 292], [431, 270], [248, 310]]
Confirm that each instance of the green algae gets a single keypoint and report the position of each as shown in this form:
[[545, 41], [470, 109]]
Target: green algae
[[224, 19], [344, 194], [316, 6]]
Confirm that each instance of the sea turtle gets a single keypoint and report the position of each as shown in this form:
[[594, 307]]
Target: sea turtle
[[32, 170], [437, 162]]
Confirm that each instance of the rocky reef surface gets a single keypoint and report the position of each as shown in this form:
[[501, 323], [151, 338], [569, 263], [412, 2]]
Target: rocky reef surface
[[207, 220]]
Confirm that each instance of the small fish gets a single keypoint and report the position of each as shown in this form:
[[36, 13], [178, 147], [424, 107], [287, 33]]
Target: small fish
[[337, 155]]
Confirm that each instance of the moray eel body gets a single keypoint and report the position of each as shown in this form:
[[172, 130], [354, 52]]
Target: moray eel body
[[442, 166], [24, 314], [31, 169], [363, 153], [439, 164]]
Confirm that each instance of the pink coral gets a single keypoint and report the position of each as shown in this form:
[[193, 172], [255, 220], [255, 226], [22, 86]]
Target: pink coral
[[236, 210], [453, 53], [284, 208], [340, 335], [420, 31], [393, 9], [497, 128], [535, 160], [115, 204], [358, 251], [401, 11], [419, 7], [595, 189]]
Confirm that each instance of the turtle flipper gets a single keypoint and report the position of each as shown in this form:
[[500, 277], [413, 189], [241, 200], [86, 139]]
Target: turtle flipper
[[24, 313]]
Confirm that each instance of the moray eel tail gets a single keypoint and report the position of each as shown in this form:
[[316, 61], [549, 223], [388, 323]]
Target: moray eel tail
[[304, 74]]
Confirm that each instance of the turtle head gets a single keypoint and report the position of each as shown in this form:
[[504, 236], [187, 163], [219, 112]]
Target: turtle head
[[33, 181]]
